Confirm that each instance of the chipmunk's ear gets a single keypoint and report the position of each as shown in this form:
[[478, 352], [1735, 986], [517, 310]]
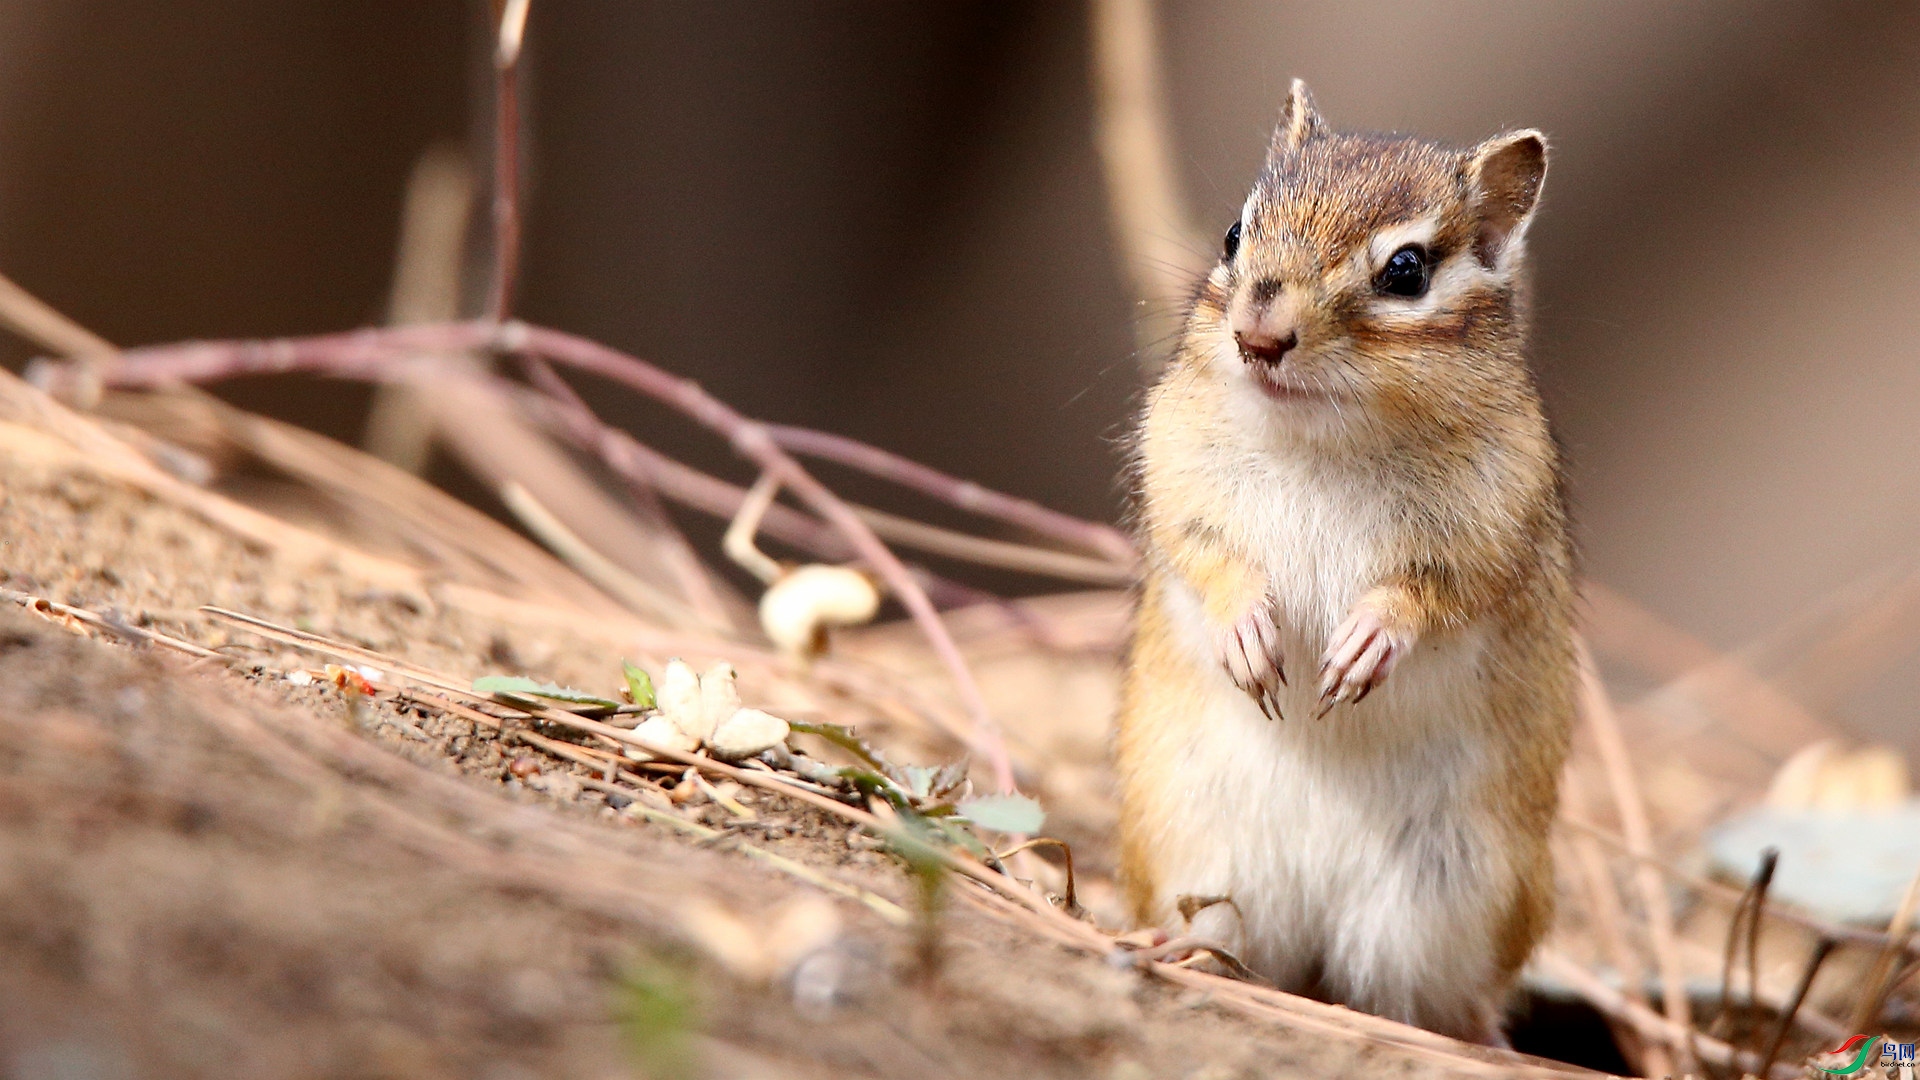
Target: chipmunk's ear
[[1504, 175], [1299, 121]]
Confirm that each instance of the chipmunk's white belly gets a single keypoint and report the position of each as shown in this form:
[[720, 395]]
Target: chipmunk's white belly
[[1354, 847]]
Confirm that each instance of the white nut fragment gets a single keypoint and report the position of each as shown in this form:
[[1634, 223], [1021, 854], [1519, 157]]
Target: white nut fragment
[[679, 699], [797, 610], [746, 733], [661, 732], [719, 699]]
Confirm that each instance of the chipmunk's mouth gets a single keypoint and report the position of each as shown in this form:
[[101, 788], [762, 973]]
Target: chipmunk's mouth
[[1277, 384]]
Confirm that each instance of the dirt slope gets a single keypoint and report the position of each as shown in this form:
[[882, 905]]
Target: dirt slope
[[208, 870]]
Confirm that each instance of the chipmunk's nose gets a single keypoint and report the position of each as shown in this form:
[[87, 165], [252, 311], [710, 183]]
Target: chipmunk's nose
[[1264, 323], [1264, 348]]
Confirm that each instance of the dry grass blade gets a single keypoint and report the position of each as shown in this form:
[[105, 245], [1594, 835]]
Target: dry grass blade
[[1633, 820], [580, 555], [1194, 947], [341, 649], [643, 465], [1003, 554], [1879, 981], [56, 611]]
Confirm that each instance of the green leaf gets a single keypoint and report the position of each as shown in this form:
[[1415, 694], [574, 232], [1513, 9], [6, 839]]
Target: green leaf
[[844, 738], [639, 685], [1005, 813], [521, 686]]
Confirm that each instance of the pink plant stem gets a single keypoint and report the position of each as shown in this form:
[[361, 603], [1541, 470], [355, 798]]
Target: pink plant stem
[[965, 494], [369, 354], [646, 467]]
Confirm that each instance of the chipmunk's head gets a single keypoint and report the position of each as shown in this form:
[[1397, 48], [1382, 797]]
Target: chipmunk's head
[[1371, 278]]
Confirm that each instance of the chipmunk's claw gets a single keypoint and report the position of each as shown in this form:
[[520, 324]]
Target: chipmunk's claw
[[1362, 653], [1251, 656], [1266, 705]]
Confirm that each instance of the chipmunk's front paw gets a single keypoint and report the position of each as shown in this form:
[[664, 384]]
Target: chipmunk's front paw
[[1250, 651], [1359, 657]]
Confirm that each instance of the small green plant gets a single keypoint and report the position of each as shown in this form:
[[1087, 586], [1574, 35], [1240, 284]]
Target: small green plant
[[658, 1013], [639, 685]]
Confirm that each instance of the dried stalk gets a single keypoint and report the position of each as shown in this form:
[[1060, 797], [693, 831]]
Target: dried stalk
[[1821, 950], [1633, 821], [1745, 924], [703, 594], [981, 551], [751, 440]]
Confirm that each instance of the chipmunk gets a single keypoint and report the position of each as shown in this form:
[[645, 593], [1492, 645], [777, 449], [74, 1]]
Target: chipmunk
[[1352, 675]]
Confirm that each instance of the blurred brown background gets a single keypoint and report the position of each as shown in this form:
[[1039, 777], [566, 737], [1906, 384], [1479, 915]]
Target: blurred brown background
[[888, 219]]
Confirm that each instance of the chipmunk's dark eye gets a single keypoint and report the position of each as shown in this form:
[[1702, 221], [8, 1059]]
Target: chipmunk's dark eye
[[1406, 274], [1232, 243]]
